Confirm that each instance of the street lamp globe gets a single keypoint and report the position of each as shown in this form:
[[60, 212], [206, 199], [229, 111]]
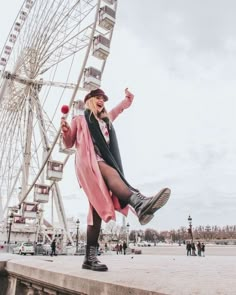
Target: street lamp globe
[[189, 219], [208, 227], [11, 216]]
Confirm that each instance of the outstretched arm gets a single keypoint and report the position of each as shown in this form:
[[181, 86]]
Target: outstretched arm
[[124, 104]]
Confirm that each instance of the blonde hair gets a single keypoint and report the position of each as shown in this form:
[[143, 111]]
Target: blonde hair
[[92, 106]]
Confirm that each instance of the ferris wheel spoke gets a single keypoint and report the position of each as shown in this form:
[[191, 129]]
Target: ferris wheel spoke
[[29, 33], [9, 157], [52, 55], [45, 125], [9, 196], [7, 130], [50, 43]]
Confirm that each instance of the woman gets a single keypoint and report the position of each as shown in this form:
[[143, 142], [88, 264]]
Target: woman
[[99, 170]]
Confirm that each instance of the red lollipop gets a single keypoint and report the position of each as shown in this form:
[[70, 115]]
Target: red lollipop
[[65, 109]]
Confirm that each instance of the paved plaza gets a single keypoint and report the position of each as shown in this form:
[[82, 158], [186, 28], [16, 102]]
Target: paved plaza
[[167, 273]]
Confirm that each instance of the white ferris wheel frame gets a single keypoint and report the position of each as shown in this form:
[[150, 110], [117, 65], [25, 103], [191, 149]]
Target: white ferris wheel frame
[[34, 86]]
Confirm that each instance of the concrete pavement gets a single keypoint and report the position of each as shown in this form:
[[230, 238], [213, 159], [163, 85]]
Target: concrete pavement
[[131, 274]]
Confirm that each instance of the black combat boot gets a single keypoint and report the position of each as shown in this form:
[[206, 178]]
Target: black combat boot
[[91, 261], [146, 207]]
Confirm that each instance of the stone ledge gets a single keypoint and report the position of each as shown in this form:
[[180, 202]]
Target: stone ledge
[[133, 275]]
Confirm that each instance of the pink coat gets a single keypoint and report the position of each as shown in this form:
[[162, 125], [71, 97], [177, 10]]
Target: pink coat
[[87, 169]]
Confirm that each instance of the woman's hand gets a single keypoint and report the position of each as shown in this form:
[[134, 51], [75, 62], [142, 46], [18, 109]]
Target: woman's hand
[[129, 95], [128, 99], [64, 125]]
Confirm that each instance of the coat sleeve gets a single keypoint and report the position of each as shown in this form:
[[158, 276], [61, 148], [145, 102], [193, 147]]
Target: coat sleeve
[[116, 111], [70, 136]]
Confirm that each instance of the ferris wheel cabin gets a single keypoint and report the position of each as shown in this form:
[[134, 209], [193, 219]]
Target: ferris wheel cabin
[[17, 27], [29, 4], [92, 78], [111, 2], [7, 50], [30, 210], [54, 170], [12, 38], [107, 17], [18, 223], [3, 61], [63, 149], [101, 47], [23, 15], [41, 193]]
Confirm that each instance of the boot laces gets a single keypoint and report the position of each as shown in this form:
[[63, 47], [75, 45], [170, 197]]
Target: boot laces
[[92, 255], [141, 197]]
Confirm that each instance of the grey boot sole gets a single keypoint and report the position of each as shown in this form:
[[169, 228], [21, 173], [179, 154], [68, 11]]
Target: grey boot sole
[[95, 268], [144, 219], [147, 213]]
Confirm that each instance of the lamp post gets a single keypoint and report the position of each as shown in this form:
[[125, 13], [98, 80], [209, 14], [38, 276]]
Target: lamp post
[[136, 238], [190, 227], [101, 234], [208, 228], [127, 226], [155, 239], [77, 237], [38, 224], [10, 219], [179, 237]]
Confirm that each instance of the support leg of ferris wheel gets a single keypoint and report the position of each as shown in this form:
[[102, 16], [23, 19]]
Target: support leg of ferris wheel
[[61, 210], [55, 188], [1, 209], [3, 89], [27, 152], [11, 192]]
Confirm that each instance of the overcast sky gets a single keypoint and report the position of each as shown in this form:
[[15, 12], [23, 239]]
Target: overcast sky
[[179, 59]]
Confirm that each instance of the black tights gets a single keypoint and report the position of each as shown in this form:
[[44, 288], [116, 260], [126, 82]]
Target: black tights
[[114, 182], [117, 186], [94, 230]]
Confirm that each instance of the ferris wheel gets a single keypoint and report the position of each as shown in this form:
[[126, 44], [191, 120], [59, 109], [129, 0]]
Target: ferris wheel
[[56, 50]]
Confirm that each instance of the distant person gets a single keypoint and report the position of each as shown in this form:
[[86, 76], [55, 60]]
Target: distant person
[[98, 249], [124, 247], [193, 249], [203, 249], [188, 248], [53, 247], [106, 247], [117, 248], [120, 248], [99, 169], [199, 249]]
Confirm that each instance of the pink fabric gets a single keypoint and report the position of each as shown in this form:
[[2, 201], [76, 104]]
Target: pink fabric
[[87, 169]]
